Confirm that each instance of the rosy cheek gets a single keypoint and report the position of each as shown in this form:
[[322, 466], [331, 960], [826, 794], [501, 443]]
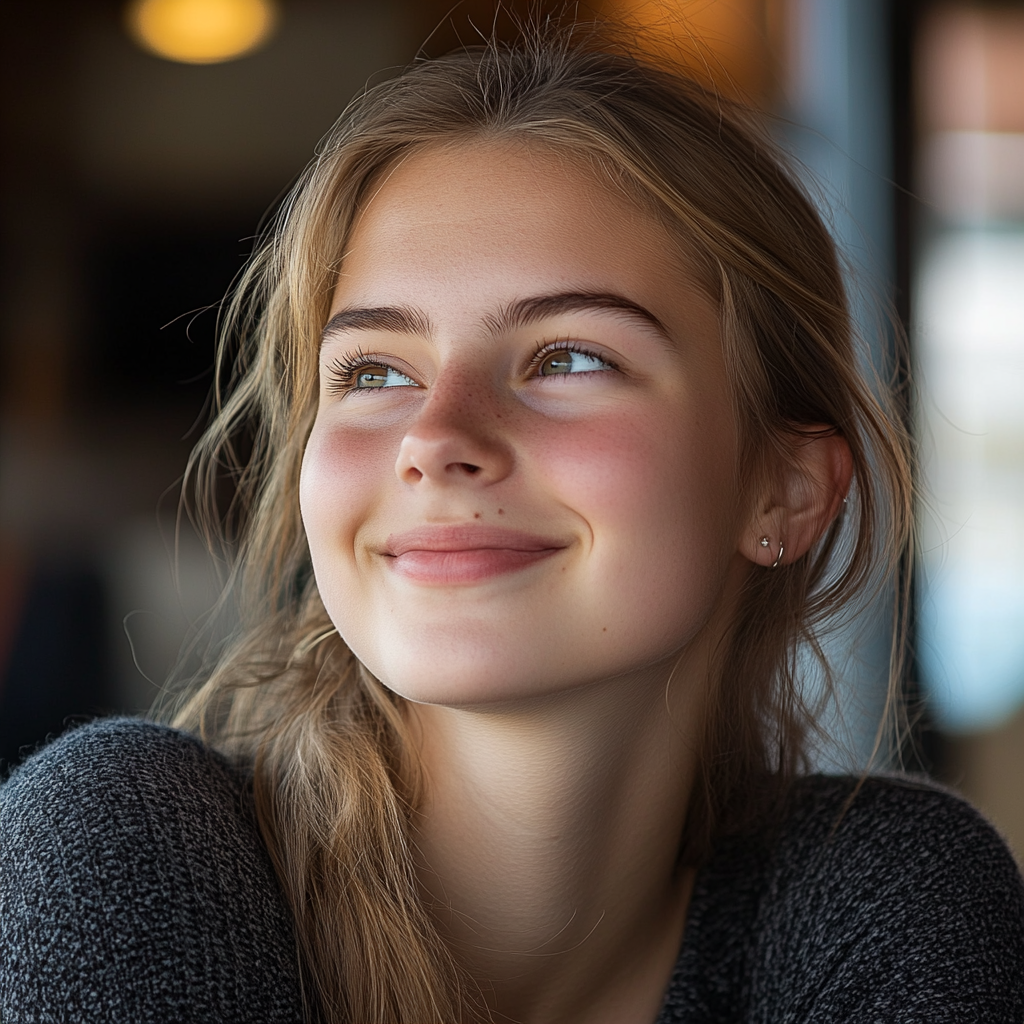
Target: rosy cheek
[[343, 470], [645, 478], [609, 462]]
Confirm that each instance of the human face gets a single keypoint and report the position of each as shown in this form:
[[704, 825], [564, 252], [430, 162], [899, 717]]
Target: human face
[[522, 475]]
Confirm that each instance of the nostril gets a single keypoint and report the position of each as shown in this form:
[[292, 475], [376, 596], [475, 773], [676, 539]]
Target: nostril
[[469, 467]]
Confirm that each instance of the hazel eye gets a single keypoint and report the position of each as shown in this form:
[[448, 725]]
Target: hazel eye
[[565, 360], [380, 376]]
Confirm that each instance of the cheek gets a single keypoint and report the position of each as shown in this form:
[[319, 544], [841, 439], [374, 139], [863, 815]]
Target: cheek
[[655, 471], [343, 471], [660, 497]]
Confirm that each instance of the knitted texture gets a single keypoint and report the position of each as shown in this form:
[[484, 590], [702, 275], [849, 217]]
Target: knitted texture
[[134, 887], [906, 909]]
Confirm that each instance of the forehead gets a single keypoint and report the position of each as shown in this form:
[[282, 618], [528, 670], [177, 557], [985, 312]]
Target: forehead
[[480, 221]]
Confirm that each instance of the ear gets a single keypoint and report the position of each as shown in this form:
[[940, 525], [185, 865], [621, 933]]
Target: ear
[[803, 499]]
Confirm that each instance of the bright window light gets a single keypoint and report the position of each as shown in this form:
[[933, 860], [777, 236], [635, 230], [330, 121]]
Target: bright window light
[[200, 31], [970, 342]]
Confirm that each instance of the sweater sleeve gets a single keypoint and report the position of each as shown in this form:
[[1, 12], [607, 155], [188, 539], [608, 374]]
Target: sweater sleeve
[[134, 887], [906, 909]]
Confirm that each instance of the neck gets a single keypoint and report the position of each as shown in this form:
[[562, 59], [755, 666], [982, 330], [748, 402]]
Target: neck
[[548, 841]]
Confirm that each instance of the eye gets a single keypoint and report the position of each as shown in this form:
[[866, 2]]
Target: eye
[[359, 373], [372, 375], [561, 361]]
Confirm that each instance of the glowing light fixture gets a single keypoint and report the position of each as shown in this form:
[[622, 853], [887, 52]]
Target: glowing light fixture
[[201, 31]]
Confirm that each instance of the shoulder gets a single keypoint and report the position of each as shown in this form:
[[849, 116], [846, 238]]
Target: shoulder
[[871, 823], [105, 758], [122, 785], [889, 898], [134, 885], [886, 830]]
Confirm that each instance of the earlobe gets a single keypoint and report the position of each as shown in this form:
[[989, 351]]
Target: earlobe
[[806, 496], [768, 548], [766, 542]]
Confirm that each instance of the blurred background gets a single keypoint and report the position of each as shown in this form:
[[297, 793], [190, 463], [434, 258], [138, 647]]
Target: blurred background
[[145, 142]]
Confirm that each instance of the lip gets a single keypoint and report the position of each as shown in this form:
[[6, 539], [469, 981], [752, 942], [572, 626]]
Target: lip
[[446, 555]]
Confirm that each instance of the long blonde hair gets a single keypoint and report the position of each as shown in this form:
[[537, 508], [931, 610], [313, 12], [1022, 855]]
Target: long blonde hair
[[334, 778]]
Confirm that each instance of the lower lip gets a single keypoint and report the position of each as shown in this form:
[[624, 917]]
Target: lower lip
[[449, 567]]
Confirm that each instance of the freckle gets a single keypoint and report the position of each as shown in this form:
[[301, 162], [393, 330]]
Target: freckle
[[476, 515], [501, 511], [604, 629]]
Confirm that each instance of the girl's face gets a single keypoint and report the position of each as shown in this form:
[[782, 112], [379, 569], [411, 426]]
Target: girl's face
[[522, 477]]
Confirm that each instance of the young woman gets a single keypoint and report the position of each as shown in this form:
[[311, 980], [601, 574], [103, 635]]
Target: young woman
[[561, 461]]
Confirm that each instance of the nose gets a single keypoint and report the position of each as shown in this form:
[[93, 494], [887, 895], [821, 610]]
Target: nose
[[460, 435]]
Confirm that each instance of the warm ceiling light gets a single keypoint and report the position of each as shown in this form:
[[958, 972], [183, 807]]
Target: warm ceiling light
[[200, 31]]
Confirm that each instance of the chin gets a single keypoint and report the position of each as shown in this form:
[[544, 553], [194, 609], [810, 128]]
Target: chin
[[465, 679], [456, 685]]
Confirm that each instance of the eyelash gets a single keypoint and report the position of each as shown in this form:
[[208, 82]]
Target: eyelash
[[566, 345], [342, 371]]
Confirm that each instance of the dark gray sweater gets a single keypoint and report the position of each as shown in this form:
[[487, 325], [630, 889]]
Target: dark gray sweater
[[134, 888]]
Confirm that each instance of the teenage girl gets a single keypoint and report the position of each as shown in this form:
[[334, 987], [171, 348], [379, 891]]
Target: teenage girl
[[558, 461]]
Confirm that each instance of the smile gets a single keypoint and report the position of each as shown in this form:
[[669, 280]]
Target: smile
[[446, 555]]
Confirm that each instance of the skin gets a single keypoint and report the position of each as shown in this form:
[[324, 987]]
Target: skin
[[555, 694]]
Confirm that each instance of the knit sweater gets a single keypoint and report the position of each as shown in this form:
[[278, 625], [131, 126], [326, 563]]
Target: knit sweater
[[134, 887]]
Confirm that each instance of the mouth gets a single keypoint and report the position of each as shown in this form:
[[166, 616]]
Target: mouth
[[447, 555]]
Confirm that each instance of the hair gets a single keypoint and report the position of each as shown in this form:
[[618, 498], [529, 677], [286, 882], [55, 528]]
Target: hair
[[334, 779]]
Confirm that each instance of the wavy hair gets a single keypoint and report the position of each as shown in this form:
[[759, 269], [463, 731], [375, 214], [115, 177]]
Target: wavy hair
[[334, 778]]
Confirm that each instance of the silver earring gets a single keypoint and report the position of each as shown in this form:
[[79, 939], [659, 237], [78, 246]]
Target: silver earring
[[764, 544]]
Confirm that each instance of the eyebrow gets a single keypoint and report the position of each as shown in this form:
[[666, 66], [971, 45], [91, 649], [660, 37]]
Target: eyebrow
[[395, 319], [521, 313], [528, 311]]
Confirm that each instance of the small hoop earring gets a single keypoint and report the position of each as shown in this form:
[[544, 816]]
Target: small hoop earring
[[775, 564]]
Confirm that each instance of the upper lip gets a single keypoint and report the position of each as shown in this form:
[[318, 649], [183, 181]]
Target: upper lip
[[466, 538]]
